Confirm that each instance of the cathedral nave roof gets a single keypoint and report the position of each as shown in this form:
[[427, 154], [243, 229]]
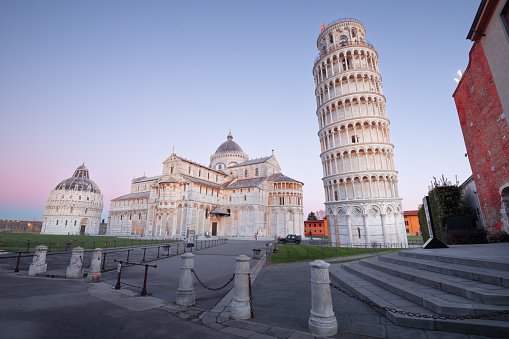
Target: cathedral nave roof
[[155, 177], [252, 161], [202, 182], [133, 196], [247, 183], [282, 177]]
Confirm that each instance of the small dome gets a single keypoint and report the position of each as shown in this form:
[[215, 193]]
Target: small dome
[[80, 181], [229, 146]]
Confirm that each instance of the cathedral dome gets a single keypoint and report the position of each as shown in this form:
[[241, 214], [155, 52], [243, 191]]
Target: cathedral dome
[[229, 146], [80, 181]]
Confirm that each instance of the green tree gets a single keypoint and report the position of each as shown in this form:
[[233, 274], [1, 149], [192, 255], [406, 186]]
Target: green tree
[[311, 216]]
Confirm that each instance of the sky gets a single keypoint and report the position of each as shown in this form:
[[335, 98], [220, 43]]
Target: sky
[[117, 84]]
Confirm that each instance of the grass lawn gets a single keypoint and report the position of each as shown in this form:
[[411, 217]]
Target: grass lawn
[[414, 238], [16, 242], [293, 253]]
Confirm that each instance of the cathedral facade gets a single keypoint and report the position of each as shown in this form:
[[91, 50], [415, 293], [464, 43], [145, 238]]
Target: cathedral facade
[[234, 197], [74, 206]]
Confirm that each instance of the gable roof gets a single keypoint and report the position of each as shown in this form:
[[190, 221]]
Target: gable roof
[[142, 179]]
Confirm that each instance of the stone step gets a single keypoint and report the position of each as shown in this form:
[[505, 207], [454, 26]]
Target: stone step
[[496, 265], [384, 298], [485, 275], [433, 299], [469, 289]]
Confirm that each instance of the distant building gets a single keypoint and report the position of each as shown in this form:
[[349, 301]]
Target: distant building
[[19, 226], [482, 101], [470, 196], [74, 206], [316, 228], [359, 179], [234, 196], [412, 223]]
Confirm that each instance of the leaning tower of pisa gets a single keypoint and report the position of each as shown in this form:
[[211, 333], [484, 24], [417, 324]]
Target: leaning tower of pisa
[[361, 186]]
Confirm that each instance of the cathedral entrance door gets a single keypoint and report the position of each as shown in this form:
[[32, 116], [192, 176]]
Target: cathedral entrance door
[[214, 228], [83, 226]]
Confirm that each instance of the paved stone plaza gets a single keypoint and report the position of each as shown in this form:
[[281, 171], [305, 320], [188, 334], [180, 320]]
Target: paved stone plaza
[[40, 307]]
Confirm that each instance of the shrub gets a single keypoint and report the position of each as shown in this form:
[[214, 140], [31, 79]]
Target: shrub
[[423, 223], [500, 236], [469, 236]]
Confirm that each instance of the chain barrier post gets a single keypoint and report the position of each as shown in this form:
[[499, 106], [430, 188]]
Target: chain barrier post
[[322, 321], [38, 264], [144, 290], [75, 268], [16, 270], [94, 274], [144, 250], [241, 308], [119, 270], [185, 292]]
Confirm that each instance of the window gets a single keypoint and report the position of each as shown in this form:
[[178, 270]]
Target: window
[[89, 198], [74, 222], [208, 176], [359, 232], [206, 213], [199, 173], [407, 230], [86, 210], [130, 217], [120, 217], [406, 222], [228, 210], [72, 209], [66, 223], [256, 171], [139, 216], [245, 173], [171, 169], [57, 222], [189, 169], [230, 198], [336, 195], [245, 198]]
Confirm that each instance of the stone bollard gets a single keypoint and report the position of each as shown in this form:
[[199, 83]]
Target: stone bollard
[[241, 307], [75, 268], [185, 292], [322, 321], [94, 274], [38, 264]]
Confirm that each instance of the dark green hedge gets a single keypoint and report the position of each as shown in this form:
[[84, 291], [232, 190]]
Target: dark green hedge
[[423, 223], [446, 201]]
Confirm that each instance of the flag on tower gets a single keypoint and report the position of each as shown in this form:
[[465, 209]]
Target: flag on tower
[[323, 27]]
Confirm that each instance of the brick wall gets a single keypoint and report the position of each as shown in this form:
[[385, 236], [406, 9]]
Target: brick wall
[[16, 226], [486, 133]]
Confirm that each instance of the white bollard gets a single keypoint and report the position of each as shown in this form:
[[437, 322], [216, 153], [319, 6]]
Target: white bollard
[[94, 274], [185, 292], [241, 307], [75, 268], [322, 321], [38, 264]]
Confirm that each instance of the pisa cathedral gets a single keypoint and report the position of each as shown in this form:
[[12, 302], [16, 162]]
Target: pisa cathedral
[[360, 183], [234, 197]]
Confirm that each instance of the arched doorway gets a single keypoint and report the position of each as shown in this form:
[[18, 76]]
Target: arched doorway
[[83, 226]]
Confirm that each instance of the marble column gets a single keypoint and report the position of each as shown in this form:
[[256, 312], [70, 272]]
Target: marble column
[[241, 308], [185, 292]]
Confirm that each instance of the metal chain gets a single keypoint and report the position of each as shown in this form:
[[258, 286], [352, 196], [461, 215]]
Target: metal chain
[[425, 316], [213, 289], [250, 296]]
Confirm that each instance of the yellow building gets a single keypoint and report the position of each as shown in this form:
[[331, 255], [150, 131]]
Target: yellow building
[[412, 223]]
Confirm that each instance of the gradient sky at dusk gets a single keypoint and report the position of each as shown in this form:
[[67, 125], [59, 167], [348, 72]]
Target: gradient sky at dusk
[[117, 84]]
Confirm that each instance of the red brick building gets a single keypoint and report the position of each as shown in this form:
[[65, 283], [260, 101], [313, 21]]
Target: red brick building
[[482, 101], [316, 228], [412, 222]]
